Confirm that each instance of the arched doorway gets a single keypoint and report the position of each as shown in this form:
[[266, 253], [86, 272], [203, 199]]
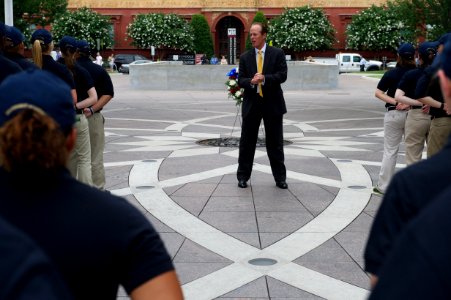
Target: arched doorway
[[222, 40]]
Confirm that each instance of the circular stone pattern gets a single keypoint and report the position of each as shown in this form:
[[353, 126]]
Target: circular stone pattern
[[233, 142]]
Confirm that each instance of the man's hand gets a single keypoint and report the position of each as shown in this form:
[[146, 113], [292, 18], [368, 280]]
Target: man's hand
[[258, 78], [425, 109], [87, 112]]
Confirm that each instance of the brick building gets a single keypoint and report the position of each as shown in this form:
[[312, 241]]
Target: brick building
[[221, 15]]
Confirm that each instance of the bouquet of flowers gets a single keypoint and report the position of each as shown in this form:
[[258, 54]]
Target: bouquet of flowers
[[234, 90]]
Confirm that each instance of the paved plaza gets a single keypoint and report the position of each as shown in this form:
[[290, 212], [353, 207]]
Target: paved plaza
[[313, 234]]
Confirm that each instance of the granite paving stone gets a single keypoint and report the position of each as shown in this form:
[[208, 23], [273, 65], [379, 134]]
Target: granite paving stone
[[188, 272], [191, 252], [195, 190], [228, 203], [231, 222], [254, 289], [281, 290], [251, 238], [282, 221], [194, 205], [172, 241]]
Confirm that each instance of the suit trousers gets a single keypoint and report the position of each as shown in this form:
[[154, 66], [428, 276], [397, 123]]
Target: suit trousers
[[80, 158], [417, 130], [394, 123], [274, 144], [97, 139]]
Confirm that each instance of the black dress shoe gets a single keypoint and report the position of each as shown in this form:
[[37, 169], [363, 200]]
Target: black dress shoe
[[242, 184], [282, 185]]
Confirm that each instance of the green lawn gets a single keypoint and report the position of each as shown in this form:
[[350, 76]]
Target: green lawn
[[374, 74]]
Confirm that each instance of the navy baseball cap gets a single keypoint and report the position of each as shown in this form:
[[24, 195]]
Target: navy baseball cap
[[14, 35], [42, 35], [68, 42], [406, 50], [38, 90], [83, 46], [446, 59], [427, 48]]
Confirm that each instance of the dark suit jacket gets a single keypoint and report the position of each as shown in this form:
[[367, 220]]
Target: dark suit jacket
[[275, 71]]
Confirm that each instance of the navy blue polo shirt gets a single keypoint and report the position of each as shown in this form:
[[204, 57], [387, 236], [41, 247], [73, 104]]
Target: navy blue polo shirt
[[19, 59], [410, 191], [25, 271], [435, 92], [8, 67], [49, 64], [419, 266], [102, 80], [424, 81], [389, 82], [97, 241], [409, 81], [83, 80]]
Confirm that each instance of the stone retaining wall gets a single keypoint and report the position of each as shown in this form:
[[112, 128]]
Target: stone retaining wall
[[165, 76]]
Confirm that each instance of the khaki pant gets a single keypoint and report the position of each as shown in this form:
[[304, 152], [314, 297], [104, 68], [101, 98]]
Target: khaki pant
[[394, 123], [97, 138], [80, 159], [438, 134], [417, 129]]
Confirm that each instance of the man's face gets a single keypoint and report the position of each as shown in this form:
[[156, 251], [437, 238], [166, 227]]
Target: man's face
[[257, 38]]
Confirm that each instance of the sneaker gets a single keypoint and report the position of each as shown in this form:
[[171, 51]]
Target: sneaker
[[377, 191]]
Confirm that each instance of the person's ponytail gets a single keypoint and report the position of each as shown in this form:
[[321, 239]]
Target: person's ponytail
[[32, 142], [37, 53]]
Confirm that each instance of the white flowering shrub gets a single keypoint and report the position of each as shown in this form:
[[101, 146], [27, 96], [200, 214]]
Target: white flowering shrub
[[161, 31], [300, 29], [377, 28], [85, 24]]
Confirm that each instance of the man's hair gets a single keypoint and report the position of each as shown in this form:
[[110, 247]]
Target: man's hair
[[263, 26]]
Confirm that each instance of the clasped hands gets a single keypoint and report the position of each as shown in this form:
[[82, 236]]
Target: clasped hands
[[258, 78]]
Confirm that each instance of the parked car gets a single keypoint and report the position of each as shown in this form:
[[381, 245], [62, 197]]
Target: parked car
[[391, 65], [350, 62], [121, 59], [125, 68]]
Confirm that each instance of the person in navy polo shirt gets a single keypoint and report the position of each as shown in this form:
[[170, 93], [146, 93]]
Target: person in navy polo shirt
[[8, 67], [396, 115], [97, 241]]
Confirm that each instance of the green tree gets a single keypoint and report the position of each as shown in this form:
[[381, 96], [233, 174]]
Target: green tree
[[377, 28], [34, 12], [85, 24], [302, 28], [203, 42], [260, 18], [428, 18], [161, 31]]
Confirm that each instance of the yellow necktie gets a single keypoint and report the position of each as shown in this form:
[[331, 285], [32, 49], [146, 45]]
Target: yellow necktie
[[260, 69]]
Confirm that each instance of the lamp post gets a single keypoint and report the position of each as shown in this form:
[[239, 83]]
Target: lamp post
[[401, 31], [9, 12]]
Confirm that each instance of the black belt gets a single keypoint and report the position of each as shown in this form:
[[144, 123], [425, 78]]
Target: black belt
[[79, 111], [389, 108], [416, 107]]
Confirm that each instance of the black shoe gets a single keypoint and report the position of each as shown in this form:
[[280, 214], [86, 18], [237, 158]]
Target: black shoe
[[282, 185], [242, 184]]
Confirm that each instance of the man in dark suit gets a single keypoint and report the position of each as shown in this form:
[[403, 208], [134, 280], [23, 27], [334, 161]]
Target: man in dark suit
[[261, 72]]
